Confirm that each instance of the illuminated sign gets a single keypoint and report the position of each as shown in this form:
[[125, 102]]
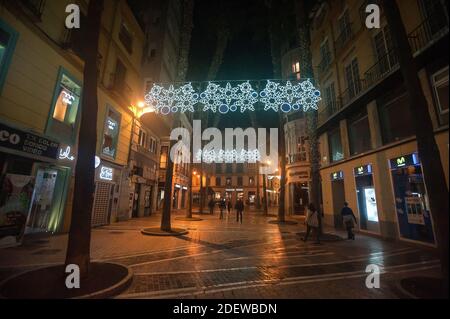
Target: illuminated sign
[[97, 162], [106, 173], [403, 161], [363, 170], [337, 176], [66, 154], [185, 188], [67, 98]]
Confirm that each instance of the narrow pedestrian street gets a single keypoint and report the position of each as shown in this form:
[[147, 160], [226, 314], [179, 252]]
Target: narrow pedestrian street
[[224, 259]]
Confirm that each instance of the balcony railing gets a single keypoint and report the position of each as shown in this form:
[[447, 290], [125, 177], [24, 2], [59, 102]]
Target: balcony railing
[[430, 29], [382, 68]]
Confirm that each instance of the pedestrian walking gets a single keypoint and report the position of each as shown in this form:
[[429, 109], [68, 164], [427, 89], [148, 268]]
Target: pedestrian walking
[[312, 223], [239, 209], [222, 207], [229, 206], [348, 217], [211, 205]]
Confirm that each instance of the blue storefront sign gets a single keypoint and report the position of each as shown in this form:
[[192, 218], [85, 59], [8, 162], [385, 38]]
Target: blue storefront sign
[[411, 199]]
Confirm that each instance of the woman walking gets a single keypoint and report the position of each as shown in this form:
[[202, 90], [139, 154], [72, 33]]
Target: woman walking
[[312, 223]]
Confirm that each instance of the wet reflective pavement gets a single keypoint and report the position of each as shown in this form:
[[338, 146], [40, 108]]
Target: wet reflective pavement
[[224, 259]]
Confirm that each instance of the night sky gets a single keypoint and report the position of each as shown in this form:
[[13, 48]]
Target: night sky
[[247, 55]]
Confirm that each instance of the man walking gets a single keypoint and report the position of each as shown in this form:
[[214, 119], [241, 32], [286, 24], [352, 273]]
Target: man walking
[[222, 207], [348, 218], [239, 209], [211, 205]]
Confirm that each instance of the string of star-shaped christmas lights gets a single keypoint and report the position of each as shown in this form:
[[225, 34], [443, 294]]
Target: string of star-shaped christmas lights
[[224, 99]]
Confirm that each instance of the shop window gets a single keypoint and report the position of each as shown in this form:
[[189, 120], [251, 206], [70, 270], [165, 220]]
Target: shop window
[[335, 144], [218, 181], [440, 87], [111, 133], [164, 157], [359, 134], [366, 197], [228, 181], [65, 108], [240, 181], [396, 120], [8, 39]]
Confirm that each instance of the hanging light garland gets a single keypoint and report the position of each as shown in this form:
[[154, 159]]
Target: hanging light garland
[[275, 96]]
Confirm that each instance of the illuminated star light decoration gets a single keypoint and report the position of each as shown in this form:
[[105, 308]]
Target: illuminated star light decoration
[[224, 99], [228, 156]]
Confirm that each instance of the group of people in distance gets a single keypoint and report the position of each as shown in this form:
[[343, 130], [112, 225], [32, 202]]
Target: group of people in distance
[[226, 205], [312, 220]]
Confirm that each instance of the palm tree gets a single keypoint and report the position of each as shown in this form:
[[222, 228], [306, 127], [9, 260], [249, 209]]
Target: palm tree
[[306, 68], [182, 67], [78, 249], [426, 144]]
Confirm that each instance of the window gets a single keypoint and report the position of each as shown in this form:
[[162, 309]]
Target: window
[[353, 79], [65, 106], [152, 145], [325, 54], [396, 120], [142, 139], [359, 134], [239, 168], [335, 144], [218, 181], [36, 7], [76, 37], [330, 99], [164, 157], [126, 38], [440, 87], [229, 168], [111, 133], [240, 181], [228, 181], [296, 70], [120, 76], [435, 13], [345, 29], [251, 181], [384, 49], [8, 39]]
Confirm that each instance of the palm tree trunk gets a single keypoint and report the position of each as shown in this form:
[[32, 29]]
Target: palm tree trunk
[[266, 211], [78, 248], [433, 172], [282, 160], [306, 70]]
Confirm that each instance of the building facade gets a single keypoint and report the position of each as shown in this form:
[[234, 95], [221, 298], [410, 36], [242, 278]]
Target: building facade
[[41, 76], [367, 143]]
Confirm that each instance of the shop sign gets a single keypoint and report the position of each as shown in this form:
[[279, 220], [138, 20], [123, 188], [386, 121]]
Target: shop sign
[[97, 162], [185, 188], [27, 142], [106, 173], [337, 176], [403, 161], [177, 186], [363, 170], [66, 154], [230, 190]]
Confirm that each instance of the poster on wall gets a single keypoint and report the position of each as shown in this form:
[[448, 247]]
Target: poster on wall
[[414, 208], [15, 202], [371, 204]]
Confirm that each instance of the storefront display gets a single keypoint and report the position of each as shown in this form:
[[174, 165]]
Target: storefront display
[[366, 196], [411, 199], [15, 202]]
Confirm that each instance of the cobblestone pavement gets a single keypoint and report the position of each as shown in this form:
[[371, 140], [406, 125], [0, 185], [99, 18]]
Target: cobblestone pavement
[[224, 259]]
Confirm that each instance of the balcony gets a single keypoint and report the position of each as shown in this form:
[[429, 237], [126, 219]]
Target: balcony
[[301, 157], [429, 30], [424, 35]]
